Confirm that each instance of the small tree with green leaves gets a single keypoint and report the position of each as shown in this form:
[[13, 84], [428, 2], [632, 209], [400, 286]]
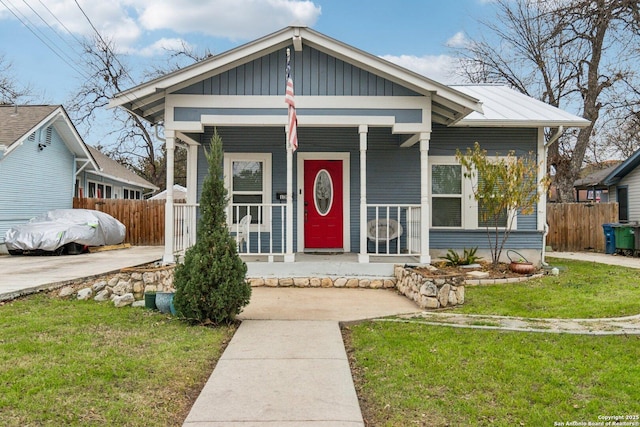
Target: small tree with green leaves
[[502, 187], [211, 285]]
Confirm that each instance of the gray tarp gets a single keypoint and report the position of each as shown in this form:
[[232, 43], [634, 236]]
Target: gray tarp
[[56, 228]]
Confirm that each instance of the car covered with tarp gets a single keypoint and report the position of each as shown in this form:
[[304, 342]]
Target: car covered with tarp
[[60, 231]]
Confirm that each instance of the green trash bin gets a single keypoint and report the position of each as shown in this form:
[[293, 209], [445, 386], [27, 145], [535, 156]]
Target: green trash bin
[[625, 236]]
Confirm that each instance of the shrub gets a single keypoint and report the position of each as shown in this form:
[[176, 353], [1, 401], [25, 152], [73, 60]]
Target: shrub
[[211, 285], [468, 257]]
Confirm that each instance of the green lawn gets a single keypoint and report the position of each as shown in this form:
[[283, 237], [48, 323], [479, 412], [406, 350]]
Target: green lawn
[[415, 374], [582, 290], [412, 374], [77, 363]]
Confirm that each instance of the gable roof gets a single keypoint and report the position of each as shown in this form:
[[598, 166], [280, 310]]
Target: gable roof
[[146, 100], [17, 122], [109, 168], [597, 178], [623, 169], [503, 106]]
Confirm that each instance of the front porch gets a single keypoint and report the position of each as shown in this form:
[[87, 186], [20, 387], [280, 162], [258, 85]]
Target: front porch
[[261, 234]]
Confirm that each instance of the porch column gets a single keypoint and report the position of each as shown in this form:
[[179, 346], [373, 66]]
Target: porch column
[[192, 174], [289, 256], [363, 256], [170, 144], [425, 213], [192, 190]]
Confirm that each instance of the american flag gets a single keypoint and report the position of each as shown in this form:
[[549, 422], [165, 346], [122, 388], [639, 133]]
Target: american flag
[[293, 119]]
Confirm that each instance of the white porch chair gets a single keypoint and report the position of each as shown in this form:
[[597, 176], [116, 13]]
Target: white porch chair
[[383, 231], [242, 232]]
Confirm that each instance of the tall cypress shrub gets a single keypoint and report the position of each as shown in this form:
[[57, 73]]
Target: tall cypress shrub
[[211, 285]]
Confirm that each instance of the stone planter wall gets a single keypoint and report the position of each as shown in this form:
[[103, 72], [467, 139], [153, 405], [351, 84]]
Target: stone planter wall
[[125, 287], [430, 291]]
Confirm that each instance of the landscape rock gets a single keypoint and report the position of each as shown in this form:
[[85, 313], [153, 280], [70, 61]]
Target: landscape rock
[[123, 287], [99, 285], [103, 295], [85, 294], [138, 303], [443, 295], [123, 300], [66, 291]]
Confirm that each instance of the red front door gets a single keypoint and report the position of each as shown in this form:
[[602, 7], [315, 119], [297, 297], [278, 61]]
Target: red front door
[[323, 204]]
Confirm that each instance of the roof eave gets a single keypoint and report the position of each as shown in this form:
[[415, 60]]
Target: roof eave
[[521, 123]]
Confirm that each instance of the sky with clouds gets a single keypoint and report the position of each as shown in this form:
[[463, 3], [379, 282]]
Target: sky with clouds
[[40, 37]]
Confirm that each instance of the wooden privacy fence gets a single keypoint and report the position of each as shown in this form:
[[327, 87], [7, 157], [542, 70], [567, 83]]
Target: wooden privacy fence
[[144, 219], [578, 226]]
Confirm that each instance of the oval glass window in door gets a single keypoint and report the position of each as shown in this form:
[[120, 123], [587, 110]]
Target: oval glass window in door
[[323, 192]]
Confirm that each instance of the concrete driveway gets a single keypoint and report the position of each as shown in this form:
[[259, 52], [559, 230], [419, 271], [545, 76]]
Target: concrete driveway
[[20, 275]]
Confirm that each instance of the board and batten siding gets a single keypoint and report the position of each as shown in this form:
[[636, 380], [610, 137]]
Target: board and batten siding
[[314, 74], [393, 173], [33, 181]]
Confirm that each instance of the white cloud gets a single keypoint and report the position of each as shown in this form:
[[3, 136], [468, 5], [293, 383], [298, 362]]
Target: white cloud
[[124, 21], [163, 45], [232, 19], [440, 68], [457, 40]]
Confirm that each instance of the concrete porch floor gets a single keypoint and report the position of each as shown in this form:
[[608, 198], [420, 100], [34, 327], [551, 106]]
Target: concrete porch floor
[[325, 265]]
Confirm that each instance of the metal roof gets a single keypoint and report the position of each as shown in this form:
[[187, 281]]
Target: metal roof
[[503, 106]]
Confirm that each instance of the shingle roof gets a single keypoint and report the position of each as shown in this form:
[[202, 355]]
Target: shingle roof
[[18, 120], [112, 169]]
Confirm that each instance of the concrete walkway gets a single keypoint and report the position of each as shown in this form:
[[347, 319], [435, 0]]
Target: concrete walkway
[[280, 373], [287, 365]]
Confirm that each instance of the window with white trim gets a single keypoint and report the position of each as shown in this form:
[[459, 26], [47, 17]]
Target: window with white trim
[[130, 194], [248, 182], [452, 201], [99, 190]]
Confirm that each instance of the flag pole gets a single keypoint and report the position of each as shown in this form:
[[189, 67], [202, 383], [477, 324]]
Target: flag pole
[[289, 256]]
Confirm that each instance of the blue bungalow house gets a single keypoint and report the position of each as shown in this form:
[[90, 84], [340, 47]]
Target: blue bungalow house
[[374, 176]]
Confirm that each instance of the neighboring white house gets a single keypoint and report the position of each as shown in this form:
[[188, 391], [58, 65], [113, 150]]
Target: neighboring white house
[[179, 193], [111, 180], [377, 144], [44, 162]]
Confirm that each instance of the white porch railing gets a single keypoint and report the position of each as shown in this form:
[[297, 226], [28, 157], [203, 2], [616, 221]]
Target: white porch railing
[[265, 233], [184, 216], [393, 229]]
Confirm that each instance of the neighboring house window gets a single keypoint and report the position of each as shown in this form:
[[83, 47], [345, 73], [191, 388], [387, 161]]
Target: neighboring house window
[[131, 194], [76, 190], [248, 181], [452, 202], [99, 190]]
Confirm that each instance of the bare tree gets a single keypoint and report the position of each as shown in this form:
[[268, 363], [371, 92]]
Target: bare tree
[[554, 50], [10, 89], [137, 145], [109, 75]]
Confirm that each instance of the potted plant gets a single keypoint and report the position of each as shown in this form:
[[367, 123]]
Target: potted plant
[[520, 265]]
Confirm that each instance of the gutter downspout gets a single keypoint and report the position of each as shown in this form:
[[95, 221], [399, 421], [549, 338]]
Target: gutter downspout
[[553, 139]]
